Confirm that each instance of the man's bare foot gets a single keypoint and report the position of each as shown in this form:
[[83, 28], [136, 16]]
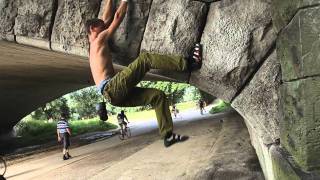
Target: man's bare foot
[[195, 58], [173, 138]]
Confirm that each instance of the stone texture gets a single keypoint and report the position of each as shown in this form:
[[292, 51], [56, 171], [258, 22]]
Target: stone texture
[[299, 45], [127, 39], [258, 103], [8, 12], [237, 36], [33, 22], [284, 10], [262, 151], [69, 34], [281, 166], [173, 26], [300, 127]]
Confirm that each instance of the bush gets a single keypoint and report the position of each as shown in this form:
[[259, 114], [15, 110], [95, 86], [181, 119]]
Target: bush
[[47, 130], [91, 125], [220, 107]]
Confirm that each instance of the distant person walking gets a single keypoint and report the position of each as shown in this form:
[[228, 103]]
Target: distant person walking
[[64, 133], [202, 104], [175, 111]]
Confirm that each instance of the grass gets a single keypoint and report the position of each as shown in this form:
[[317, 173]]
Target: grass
[[43, 131], [220, 107]]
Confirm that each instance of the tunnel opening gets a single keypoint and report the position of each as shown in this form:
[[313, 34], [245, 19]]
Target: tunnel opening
[[39, 73], [189, 98], [81, 106]]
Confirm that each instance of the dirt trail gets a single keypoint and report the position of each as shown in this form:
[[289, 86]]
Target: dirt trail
[[215, 150]]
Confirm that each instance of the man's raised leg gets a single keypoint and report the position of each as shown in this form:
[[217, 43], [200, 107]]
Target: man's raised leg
[[123, 82]]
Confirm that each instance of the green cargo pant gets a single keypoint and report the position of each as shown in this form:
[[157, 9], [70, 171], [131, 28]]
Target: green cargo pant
[[122, 91]]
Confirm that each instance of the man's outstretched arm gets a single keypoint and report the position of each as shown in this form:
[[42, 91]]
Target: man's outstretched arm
[[118, 17], [107, 12]]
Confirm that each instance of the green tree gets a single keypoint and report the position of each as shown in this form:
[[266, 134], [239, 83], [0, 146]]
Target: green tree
[[174, 91], [84, 102], [52, 110]]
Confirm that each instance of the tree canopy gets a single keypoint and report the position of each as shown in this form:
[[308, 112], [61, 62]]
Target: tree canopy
[[82, 104]]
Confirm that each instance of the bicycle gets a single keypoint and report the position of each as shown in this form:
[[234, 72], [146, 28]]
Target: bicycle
[[3, 168], [125, 133]]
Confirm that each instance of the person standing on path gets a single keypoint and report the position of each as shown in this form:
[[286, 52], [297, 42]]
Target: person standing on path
[[202, 104], [64, 133], [120, 89]]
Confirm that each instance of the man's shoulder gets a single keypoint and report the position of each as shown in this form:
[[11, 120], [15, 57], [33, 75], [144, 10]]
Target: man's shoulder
[[62, 122]]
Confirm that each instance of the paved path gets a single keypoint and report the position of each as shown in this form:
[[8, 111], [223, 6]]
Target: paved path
[[215, 150]]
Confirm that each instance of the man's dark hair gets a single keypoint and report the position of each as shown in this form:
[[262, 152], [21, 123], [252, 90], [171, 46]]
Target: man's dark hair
[[96, 22], [64, 115]]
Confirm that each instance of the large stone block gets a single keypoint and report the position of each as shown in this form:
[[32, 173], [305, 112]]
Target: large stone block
[[258, 103], [300, 127], [69, 34], [284, 10], [173, 26], [33, 22], [236, 39], [127, 39], [299, 45], [281, 166], [8, 12]]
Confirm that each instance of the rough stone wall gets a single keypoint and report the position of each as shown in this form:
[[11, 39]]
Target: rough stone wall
[[173, 27], [283, 11], [8, 12], [298, 48], [240, 64], [69, 34], [259, 101], [127, 39], [236, 39], [33, 22]]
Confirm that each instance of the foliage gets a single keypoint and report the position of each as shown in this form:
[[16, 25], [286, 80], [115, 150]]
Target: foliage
[[220, 107], [52, 110], [47, 130], [191, 94], [174, 91], [90, 125], [84, 102]]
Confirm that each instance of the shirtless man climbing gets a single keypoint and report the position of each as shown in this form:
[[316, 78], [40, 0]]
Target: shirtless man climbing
[[120, 89]]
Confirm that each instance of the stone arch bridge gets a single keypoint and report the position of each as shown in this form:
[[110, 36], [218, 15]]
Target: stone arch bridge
[[262, 56]]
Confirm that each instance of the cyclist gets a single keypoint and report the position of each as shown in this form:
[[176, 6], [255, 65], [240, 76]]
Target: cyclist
[[122, 118]]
